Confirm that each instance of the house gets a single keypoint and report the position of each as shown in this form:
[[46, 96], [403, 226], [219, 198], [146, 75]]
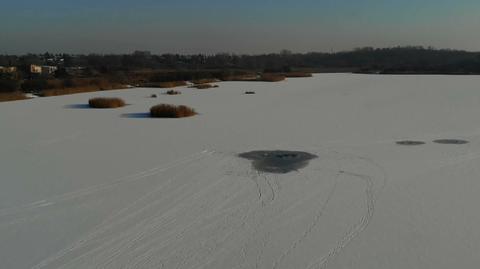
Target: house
[[9, 69], [47, 69], [35, 69]]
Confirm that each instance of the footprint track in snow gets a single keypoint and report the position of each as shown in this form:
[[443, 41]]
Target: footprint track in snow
[[365, 220], [123, 214], [101, 187], [133, 231]]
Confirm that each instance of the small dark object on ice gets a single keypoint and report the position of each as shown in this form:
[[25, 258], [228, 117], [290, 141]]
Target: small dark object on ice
[[173, 92], [451, 141], [278, 161], [410, 143]]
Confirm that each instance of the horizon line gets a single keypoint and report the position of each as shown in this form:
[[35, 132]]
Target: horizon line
[[419, 47]]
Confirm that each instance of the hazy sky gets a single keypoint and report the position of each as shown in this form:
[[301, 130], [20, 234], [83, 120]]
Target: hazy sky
[[239, 26]]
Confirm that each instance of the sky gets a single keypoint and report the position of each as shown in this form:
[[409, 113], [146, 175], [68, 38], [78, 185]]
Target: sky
[[234, 26]]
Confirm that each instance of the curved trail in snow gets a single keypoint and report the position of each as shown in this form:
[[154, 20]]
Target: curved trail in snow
[[101, 187], [365, 220], [357, 228], [310, 227], [193, 218], [123, 214]]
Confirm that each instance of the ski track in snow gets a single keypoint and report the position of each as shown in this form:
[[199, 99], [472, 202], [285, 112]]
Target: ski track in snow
[[101, 187], [211, 210], [133, 229], [353, 232], [267, 191], [310, 227], [357, 228], [66, 138], [363, 223], [111, 220]]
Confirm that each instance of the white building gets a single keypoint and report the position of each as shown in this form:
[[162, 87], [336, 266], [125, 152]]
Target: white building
[[35, 69], [47, 70], [9, 69]]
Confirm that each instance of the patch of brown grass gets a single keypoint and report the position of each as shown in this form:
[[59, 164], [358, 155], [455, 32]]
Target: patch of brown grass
[[173, 92], [81, 89], [269, 77], [204, 86], [65, 91], [55, 84], [171, 111], [12, 96], [298, 75], [204, 81], [249, 77], [103, 102], [169, 84]]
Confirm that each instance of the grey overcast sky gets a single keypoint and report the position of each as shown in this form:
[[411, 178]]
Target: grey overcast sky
[[248, 26]]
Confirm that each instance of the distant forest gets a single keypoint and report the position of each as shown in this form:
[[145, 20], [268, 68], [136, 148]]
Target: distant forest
[[99, 72], [370, 60]]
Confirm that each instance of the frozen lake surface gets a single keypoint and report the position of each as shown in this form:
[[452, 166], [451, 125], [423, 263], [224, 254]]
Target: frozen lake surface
[[89, 188]]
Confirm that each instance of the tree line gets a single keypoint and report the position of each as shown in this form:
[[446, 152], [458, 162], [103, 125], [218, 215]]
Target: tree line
[[138, 66]]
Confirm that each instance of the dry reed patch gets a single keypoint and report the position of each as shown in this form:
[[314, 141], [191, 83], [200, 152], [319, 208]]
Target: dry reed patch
[[171, 111], [204, 81], [80, 89], [173, 92], [103, 102], [12, 96], [272, 77], [204, 86], [249, 77], [66, 91], [298, 75], [168, 84]]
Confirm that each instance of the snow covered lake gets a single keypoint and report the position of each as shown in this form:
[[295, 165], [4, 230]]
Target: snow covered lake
[[90, 188]]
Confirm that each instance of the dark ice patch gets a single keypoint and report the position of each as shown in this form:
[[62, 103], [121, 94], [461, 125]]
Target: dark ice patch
[[278, 161], [410, 143], [451, 141]]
